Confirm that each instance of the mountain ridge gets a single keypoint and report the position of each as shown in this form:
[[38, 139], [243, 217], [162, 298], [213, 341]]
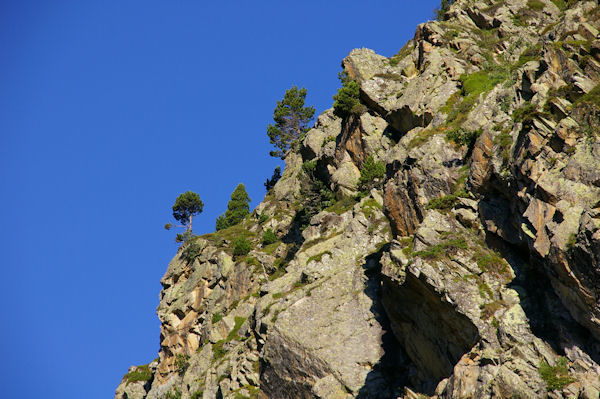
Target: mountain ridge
[[471, 269]]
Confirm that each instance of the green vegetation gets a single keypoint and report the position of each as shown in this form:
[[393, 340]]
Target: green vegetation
[[141, 373], [592, 97], [480, 82], [191, 251], [319, 240], [270, 183], [460, 187], [490, 261], [463, 137], [269, 237], [228, 235], [369, 207], [443, 203], [233, 334], [218, 350], [504, 142], [572, 240], [535, 5], [216, 317], [176, 394], [269, 249], [532, 53], [309, 166], [371, 174], [291, 118], [237, 209], [485, 290], [347, 99], [318, 257], [423, 136], [451, 103], [341, 206], [197, 394], [182, 362], [525, 113], [445, 248], [263, 217], [241, 246], [561, 4], [556, 377], [489, 309], [187, 205], [390, 76], [442, 9], [316, 195], [328, 139]]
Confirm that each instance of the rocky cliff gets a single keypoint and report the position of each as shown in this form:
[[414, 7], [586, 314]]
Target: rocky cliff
[[470, 270]]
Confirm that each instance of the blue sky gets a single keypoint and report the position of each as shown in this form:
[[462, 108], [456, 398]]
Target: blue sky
[[108, 111]]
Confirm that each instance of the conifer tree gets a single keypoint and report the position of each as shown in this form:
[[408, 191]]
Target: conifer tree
[[270, 183], [187, 205], [291, 120], [237, 208]]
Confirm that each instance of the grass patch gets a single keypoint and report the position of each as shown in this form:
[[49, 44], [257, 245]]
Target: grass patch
[[271, 248], [318, 257], [524, 113], [275, 314], [556, 377], [229, 234], [490, 261], [535, 5], [571, 241], [176, 394], [369, 207], [422, 137], [460, 187], [319, 240], [561, 4], [341, 206], [390, 76], [233, 334], [463, 137], [328, 139], [141, 373], [451, 103], [279, 269], [489, 309], [443, 203], [445, 248], [216, 317], [504, 142], [593, 97], [531, 53], [218, 350], [485, 290]]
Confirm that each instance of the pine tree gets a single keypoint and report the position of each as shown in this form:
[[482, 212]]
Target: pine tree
[[291, 120], [270, 183], [187, 205], [238, 208]]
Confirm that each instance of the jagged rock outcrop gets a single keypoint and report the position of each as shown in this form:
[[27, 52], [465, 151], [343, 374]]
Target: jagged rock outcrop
[[471, 270]]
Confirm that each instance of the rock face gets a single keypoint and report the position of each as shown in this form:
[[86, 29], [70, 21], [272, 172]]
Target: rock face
[[472, 270]]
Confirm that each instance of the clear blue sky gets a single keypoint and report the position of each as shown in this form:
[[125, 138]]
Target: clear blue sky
[[108, 111]]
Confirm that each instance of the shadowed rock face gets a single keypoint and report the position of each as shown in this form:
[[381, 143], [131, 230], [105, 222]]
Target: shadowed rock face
[[475, 262], [434, 334]]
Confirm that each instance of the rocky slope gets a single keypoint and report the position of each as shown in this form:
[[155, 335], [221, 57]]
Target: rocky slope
[[471, 270]]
